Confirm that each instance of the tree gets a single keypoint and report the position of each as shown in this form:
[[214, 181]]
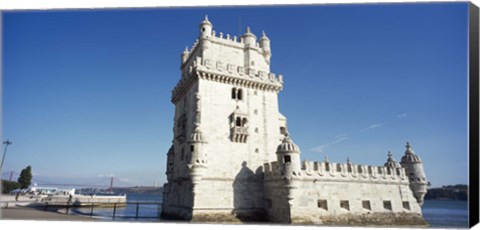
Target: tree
[[25, 178], [8, 186]]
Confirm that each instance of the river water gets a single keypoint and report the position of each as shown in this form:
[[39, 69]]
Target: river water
[[439, 213]]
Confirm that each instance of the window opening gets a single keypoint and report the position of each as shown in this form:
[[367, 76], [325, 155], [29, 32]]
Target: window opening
[[387, 205], [344, 204], [366, 205], [322, 204]]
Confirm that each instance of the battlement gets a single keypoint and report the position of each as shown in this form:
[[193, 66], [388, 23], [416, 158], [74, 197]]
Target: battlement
[[340, 171], [228, 73], [228, 40]]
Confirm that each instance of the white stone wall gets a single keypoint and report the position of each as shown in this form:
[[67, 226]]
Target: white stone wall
[[337, 183], [308, 193], [225, 157], [232, 177]]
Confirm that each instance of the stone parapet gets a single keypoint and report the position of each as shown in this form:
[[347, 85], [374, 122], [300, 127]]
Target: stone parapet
[[340, 171], [229, 74], [231, 41]]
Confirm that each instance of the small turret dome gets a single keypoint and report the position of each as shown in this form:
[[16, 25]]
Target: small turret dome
[[287, 146], [205, 22], [185, 55], [410, 156], [249, 38], [170, 151], [264, 36], [196, 135], [249, 33], [391, 163], [205, 28]]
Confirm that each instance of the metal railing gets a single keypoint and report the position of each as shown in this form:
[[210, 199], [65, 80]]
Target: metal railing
[[98, 205]]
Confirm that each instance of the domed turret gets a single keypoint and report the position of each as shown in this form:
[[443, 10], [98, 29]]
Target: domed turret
[[185, 55], [196, 140], [414, 168], [205, 28], [170, 159], [196, 136], [391, 163], [288, 156], [249, 38], [265, 45], [198, 161], [410, 155]]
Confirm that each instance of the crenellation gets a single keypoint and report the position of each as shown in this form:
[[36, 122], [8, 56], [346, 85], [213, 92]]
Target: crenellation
[[343, 171], [237, 73]]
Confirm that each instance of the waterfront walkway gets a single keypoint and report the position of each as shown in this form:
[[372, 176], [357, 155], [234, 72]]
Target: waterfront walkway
[[18, 210], [24, 213]]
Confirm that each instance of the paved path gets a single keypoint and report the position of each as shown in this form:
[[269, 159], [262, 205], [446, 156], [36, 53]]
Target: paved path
[[35, 214]]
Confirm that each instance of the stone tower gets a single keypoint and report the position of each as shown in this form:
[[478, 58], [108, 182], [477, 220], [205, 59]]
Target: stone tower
[[414, 168], [227, 125], [288, 156]]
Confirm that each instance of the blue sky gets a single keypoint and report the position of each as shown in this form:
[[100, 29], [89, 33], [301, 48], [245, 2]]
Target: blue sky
[[86, 94]]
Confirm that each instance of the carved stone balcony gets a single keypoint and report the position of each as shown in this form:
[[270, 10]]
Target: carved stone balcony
[[239, 134]]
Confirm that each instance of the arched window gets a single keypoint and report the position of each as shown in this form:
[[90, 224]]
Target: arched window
[[238, 121], [234, 93], [239, 94], [244, 122]]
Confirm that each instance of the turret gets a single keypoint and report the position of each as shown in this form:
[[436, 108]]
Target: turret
[[391, 163], [288, 157], [414, 168], [265, 45], [196, 141], [205, 28], [170, 159], [185, 55], [198, 161], [248, 38]]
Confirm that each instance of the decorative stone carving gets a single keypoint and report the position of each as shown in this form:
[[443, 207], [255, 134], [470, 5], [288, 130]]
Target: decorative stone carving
[[220, 66], [241, 70], [208, 63]]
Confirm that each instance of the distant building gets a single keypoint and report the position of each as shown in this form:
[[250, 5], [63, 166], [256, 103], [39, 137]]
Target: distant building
[[232, 157]]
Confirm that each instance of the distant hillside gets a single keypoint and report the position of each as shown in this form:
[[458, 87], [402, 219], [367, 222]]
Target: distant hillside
[[139, 190], [449, 192], [125, 190]]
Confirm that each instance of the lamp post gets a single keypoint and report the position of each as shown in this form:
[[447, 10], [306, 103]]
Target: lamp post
[[6, 143]]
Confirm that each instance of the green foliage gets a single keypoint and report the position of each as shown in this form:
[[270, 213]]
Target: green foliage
[[450, 192], [8, 186], [25, 178]]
